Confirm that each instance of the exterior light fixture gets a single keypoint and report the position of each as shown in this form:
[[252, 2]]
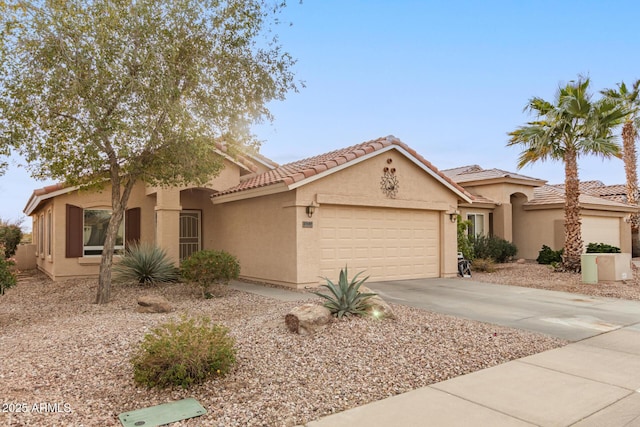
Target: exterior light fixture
[[310, 210], [453, 217]]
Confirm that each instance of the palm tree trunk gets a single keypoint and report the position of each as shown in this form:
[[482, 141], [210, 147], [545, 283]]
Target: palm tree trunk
[[572, 232], [630, 170]]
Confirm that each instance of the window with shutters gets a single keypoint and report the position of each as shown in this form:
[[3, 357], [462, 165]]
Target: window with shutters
[[94, 231]]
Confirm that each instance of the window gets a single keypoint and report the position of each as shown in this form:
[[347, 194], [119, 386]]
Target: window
[[41, 235], [477, 224], [94, 231], [49, 232]]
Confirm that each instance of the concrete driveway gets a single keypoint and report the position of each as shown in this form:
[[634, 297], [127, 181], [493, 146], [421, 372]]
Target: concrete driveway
[[560, 314]]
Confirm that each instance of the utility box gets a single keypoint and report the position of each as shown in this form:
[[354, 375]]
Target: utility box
[[613, 267], [589, 266]]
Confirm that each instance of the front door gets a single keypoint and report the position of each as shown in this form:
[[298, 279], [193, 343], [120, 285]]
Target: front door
[[190, 233]]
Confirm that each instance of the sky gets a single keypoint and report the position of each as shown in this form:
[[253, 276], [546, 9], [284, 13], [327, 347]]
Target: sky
[[448, 78]]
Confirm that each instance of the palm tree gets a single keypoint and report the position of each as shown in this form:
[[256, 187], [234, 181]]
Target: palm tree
[[629, 100], [571, 127]]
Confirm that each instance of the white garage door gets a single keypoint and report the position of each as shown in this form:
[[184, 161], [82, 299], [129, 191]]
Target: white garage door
[[389, 244], [597, 229]]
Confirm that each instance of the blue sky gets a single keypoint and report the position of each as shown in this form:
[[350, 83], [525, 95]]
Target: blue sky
[[450, 79]]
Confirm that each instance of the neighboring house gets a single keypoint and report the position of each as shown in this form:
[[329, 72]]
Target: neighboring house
[[530, 214], [377, 206]]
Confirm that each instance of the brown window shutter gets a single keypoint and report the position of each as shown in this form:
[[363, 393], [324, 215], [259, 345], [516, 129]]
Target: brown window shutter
[[132, 226], [74, 221]]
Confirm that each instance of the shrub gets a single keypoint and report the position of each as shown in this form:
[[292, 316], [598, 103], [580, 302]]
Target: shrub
[[483, 264], [7, 276], [345, 298], [464, 243], [493, 247], [549, 256], [602, 248], [183, 353], [208, 267], [10, 236], [146, 264]]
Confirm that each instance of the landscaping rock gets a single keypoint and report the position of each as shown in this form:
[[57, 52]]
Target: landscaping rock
[[153, 304], [308, 318], [378, 307], [521, 261]]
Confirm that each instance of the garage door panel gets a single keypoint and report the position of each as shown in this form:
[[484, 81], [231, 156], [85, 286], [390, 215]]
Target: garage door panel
[[390, 244]]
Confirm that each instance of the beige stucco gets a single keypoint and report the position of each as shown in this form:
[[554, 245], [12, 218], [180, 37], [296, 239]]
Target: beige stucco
[[276, 241]]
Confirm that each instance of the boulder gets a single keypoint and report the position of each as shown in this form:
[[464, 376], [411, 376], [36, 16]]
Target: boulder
[[378, 307], [153, 304], [308, 318]]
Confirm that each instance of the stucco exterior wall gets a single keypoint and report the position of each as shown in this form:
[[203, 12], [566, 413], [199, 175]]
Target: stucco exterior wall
[[360, 185], [56, 265], [261, 232]]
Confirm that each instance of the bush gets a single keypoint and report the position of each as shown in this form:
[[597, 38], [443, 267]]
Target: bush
[[208, 267], [549, 256], [10, 237], [483, 264], [345, 298], [493, 247], [183, 353], [7, 277], [146, 264], [464, 243], [602, 248]]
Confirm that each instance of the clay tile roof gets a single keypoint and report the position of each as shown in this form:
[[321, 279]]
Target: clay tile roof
[[302, 169], [476, 173], [554, 194]]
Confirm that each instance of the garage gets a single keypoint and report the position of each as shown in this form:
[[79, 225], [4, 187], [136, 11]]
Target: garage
[[388, 244], [598, 229]]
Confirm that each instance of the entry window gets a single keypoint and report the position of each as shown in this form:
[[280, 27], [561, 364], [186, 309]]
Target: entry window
[[95, 226], [476, 228]]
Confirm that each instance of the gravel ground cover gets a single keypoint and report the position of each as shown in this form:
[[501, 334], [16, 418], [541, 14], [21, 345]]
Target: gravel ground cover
[[533, 275], [65, 361]]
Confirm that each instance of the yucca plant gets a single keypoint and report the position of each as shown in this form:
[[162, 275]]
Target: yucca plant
[[345, 298], [146, 264]]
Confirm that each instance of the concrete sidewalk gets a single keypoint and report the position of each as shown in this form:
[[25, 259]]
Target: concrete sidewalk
[[594, 382]]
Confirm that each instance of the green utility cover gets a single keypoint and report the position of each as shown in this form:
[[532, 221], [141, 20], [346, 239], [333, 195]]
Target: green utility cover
[[162, 414]]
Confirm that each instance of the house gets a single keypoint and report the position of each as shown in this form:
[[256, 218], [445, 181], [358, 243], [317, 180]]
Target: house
[[377, 206], [530, 213]]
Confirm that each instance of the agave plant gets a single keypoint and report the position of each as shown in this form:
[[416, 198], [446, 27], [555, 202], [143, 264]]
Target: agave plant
[[345, 298], [146, 264]]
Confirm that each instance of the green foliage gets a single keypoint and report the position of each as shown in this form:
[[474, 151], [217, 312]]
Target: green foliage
[[146, 264], [208, 267], [183, 353], [464, 242], [97, 92], [549, 256], [493, 247], [7, 276], [345, 298], [602, 248], [10, 237], [487, 265]]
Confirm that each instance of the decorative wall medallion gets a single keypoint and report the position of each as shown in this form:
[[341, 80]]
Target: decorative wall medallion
[[389, 183]]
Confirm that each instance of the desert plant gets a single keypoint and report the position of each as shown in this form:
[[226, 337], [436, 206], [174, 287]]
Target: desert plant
[[549, 256], [10, 236], [602, 248], [146, 264], [7, 276], [487, 265], [208, 267], [182, 353], [493, 247], [345, 298], [464, 243]]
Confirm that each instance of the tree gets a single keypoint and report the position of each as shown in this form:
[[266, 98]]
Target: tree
[[570, 127], [628, 99], [101, 91]]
